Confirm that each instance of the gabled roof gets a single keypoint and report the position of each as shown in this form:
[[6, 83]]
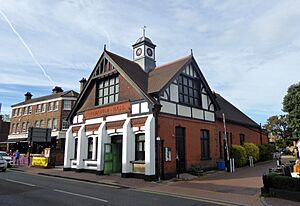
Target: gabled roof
[[132, 69], [133, 73], [233, 114], [160, 76], [70, 93]]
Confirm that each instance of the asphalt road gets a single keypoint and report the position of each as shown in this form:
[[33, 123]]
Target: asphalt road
[[20, 188]]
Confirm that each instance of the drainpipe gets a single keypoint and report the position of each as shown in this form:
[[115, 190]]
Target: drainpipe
[[156, 110]]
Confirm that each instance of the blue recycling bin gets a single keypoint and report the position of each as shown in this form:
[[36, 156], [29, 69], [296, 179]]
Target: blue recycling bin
[[221, 165]]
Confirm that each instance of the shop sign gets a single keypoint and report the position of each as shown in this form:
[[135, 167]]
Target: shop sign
[[39, 161], [108, 110]]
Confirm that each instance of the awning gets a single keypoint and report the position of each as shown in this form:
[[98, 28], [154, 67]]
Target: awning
[[15, 140]]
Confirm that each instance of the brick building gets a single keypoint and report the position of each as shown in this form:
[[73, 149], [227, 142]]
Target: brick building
[[49, 111], [141, 120], [4, 130]]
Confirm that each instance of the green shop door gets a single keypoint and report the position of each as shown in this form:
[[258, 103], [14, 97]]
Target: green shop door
[[113, 158], [108, 159]]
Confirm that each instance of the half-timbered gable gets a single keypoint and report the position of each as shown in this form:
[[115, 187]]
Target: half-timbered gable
[[186, 93]]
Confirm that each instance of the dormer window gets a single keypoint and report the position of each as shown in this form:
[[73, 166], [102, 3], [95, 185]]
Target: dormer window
[[107, 90]]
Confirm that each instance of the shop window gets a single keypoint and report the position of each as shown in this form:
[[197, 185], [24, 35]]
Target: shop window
[[75, 149], [107, 90], [205, 150], [67, 105], [189, 90], [90, 148], [140, 147], [242, 139]]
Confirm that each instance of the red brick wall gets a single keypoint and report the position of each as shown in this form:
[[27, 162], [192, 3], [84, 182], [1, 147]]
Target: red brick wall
[[166, 131], [251, 134]]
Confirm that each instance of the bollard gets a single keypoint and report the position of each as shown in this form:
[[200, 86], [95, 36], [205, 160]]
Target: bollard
[[232, 167], [251, 161]]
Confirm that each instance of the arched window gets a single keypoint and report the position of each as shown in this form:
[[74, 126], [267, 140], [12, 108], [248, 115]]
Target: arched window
[[24, 127], [140, 147], [13, 129], [18, 128]]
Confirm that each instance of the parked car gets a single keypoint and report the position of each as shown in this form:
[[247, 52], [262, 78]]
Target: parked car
[[8, 158], [3, 164]]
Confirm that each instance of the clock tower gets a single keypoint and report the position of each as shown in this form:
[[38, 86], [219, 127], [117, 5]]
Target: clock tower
[[144, 53]]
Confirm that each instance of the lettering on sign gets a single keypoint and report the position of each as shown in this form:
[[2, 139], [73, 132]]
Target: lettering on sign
[[108, 110]]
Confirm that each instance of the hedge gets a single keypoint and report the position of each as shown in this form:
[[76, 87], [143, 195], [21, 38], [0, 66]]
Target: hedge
[[281, 182], [251, 150], [239, 154], [265, 151]]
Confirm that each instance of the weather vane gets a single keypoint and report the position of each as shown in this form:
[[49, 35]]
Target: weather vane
[[144, 30]]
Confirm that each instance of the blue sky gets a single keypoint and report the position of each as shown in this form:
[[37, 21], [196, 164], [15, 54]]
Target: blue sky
[[248, 50]]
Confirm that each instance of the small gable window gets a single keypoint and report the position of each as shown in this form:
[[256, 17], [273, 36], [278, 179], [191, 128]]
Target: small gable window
[[107, 90]]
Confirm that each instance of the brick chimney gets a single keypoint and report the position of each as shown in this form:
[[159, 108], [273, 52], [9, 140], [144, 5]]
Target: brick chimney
[[57, 89], [28, 96], [82, 83]]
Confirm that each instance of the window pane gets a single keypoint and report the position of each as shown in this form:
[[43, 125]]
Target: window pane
[[111, 98], [116, 97], [105, 92], [105, 100], [111, 89], [112, 81]]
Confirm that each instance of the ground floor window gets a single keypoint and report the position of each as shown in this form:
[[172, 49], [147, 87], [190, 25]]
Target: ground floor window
[[205, 151], [140, 147], [90, 148], [75, 149], [242, 139]]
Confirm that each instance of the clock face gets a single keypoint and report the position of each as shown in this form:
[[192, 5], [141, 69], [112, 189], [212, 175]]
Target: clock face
[[138, 52], [149, 52]]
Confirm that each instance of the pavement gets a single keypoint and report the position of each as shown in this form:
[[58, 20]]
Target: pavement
[[239, 188]]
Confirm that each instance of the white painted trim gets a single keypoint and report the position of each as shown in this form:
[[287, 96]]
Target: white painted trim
[[94, 121], [116, 117], [45, 101]]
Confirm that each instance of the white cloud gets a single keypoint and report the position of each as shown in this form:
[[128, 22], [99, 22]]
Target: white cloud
[[248, 51]]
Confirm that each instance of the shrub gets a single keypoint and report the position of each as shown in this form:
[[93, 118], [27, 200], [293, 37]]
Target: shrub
[[196, 170], [266, 151], [282, 182], [252, 150], [239, 154]]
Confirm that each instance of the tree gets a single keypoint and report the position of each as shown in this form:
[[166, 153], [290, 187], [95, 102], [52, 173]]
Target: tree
[[277, 126], [291, 105]]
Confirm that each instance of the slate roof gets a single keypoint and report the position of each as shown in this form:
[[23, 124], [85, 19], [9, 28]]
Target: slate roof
[[161, 75], [69, 93], [132, 69], [232, 114]]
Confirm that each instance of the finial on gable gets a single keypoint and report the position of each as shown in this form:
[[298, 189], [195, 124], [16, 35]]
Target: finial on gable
[[192, 52], [104, 47]]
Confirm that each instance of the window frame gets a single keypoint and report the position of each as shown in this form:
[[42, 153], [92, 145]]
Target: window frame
[[139, 154], [205, 144], [107, 92], [189, 92]]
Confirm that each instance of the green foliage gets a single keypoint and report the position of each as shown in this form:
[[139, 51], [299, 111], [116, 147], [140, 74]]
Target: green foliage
[[266, 151], [282, 182], [196, 170], [291, 105], [280, 143], [239, 154], [252, 150], [277, 126]]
